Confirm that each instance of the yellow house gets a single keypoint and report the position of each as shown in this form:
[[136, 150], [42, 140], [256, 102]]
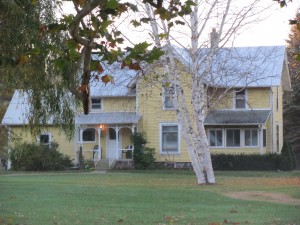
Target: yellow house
[[244, 112]]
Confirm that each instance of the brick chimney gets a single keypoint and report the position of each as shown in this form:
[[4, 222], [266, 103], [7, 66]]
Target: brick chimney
[[214, 36]]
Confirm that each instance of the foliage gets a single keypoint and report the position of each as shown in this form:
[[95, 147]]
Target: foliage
[[292, 98], [143, 156], [249, 162], [287, 157], [34, 157]]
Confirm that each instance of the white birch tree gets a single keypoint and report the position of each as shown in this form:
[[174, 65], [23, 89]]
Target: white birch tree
[[226, 18]]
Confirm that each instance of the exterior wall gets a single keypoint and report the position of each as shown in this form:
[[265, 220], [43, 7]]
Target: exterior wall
[[150, 106], [220, 99], [124, 104], [258, 98], [151, 109], [65, 146], [277, 117]]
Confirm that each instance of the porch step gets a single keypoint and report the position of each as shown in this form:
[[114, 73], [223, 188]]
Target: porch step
[[103, 164]]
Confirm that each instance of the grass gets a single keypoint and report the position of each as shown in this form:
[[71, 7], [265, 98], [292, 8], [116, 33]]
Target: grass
[[142, 198]]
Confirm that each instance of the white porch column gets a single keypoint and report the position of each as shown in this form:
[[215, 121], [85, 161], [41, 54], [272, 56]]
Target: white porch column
[[76, 144], [117, 140], [9, 148], [261, 150], [99, 143]]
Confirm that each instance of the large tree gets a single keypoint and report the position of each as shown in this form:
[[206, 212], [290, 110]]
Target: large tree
[[292, 99], [192, 44]]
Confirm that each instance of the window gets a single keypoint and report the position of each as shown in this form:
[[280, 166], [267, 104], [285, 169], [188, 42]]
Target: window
[[240, 99], [88, 135], [264, 137], [44, 139], [251, 137], [233, 138], [96, 103], [167, 99], [215, 138], [169, 138]]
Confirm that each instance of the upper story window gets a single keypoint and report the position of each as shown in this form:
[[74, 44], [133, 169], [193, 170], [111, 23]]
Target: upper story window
[[240, 99], [167, 99], [96, 103]]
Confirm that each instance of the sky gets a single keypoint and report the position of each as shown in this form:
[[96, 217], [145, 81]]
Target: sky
[[273, 30]]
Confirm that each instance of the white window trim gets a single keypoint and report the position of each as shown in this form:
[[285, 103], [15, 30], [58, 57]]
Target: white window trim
[[234, 100], [164, 90], [160, 139], [242, 138], [223, 141]]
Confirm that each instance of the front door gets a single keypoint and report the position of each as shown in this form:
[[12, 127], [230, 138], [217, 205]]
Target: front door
[[112, 143]]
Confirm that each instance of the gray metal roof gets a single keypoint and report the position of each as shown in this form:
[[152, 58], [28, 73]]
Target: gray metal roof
[[259, 66], [237, 117], [108, 118]]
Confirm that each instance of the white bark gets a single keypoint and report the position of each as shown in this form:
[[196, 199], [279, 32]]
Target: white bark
[[199, 23]]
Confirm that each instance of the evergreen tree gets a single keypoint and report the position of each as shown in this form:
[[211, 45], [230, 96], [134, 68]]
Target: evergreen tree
[[292, 99]]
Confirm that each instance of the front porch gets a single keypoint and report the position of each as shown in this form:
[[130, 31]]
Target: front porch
[[105, 137]]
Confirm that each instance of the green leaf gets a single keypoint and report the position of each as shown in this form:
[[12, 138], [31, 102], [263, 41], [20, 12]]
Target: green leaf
[[135, 23], [297, 57], [112, 4]]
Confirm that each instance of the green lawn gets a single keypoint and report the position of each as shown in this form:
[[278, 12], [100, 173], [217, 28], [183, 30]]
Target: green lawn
[[139, 198]]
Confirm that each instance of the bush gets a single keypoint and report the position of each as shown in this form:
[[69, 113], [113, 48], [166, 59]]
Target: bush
[[34, 157], [287, 157], [252, 162], [143, 157]]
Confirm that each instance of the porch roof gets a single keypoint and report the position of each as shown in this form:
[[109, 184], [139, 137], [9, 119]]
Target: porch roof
[[237, 117], [108, 118]]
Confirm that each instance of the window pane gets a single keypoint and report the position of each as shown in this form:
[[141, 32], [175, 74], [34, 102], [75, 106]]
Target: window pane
[[229, 138], [212, 138], [219, 138], [240, 104], [170, 138], [112, 134], [168, 103], [237, 138], [247, 138], [254, 138], [88, 135], [96, 103], [44, 139], [232, 138]]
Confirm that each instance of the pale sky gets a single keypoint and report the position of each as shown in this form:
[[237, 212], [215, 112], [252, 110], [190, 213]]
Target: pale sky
[[273, 30]]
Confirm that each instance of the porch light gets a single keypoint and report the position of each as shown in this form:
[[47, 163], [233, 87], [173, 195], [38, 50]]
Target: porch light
[[101, 126]]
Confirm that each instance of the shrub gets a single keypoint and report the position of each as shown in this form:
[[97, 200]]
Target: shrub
[[35, 157], [287, 157], [249, 162], [143, 157]]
